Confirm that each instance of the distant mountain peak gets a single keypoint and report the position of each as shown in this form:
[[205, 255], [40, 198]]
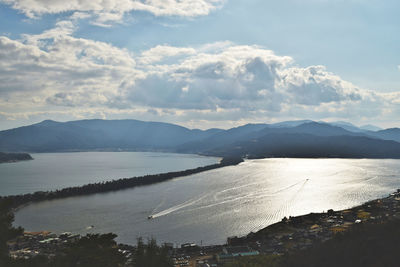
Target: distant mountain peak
[[370, 127], [342, 123], [319, 124], [129, 134], [293, 123], [47, 122]]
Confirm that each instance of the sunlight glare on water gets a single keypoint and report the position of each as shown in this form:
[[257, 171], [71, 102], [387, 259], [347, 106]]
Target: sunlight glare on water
[[214, 205]]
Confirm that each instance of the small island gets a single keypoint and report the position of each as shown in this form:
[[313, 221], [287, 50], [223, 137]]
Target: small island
[[14, 157]]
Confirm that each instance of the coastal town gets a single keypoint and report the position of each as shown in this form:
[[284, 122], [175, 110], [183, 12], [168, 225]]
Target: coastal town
[[290, 234]]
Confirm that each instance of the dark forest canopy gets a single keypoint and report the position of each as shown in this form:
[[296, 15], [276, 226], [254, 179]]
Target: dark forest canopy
[[13, 157], [367, 245], [114, 185], [99, 250], [286, 145], [7, 231]]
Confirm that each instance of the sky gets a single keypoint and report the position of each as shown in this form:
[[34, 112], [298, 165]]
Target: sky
[[200, 63]]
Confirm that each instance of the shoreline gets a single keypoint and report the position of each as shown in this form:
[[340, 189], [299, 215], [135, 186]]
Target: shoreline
[[289, 235], [114, 185], [298, 231], [6, 157]]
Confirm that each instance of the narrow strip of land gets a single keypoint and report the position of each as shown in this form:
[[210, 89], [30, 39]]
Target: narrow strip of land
[[14, 157], [114, 185]]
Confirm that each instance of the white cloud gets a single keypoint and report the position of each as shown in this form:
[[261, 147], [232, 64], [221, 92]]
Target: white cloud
[[314, 85], [108, 11], [57, 73], [63, 69], [161, 52], [229, 78]]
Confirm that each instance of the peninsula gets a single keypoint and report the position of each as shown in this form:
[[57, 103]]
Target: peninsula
[[14, 157], [114, 185]]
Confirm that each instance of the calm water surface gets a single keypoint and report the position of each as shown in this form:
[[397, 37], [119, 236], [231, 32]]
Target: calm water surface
[[214, 205], [49, 171]]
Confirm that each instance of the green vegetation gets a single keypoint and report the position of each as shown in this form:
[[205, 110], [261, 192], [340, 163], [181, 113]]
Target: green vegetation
[[90, 250], [7, 232], [98, 250], [13, 157], [116, 184], [151, 255], [257, 261], [367, 245]]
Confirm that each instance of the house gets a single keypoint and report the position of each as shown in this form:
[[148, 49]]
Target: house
[[232, 252]]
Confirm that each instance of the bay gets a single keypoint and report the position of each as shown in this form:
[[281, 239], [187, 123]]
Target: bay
[[50, 171], [209, 207]]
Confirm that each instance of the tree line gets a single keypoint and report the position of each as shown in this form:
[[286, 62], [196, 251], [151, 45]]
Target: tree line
[[367, 245], [108, 186], [99, 250]]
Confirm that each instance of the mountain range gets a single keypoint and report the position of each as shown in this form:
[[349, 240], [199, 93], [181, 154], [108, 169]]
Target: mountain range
[[304, 138]]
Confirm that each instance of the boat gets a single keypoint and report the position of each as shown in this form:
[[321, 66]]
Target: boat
[[150, 217]]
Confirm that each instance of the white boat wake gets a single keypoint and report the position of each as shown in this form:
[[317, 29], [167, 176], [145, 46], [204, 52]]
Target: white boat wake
[[178, 207]]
